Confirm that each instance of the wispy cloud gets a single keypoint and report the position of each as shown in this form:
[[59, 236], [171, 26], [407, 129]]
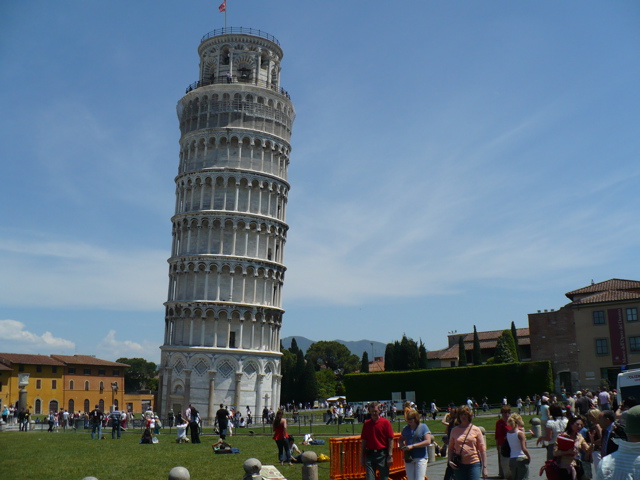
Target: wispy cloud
[[15, 338], [112, 348], [79, 275]]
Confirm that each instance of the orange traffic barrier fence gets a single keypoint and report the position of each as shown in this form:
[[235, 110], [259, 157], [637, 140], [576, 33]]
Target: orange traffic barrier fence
[[345, 453]]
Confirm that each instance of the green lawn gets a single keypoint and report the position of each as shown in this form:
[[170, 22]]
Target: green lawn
[[72, 455]]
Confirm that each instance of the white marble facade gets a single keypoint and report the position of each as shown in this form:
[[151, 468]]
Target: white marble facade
[[226, 270]]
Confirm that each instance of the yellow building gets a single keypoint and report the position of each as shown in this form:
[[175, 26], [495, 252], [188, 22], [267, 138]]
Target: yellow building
[[62, 382]]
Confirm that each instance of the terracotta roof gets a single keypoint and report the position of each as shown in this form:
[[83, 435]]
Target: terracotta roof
[[376, 366], [4, 367], [613, 284], [86, 360], [447, 353], [28, 359], [612, 296]]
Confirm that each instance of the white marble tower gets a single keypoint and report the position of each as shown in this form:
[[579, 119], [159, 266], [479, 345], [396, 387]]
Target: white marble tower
[[226, 271]]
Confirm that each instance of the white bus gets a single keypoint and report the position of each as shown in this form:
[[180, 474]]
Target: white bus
[[628, 385]]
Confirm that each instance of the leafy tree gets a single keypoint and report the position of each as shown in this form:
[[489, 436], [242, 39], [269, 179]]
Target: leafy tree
[[403, 355], [389, 361], [288, 369], [505, 348], [462, 353], [294, 346], [309, 384], [326, 381], [332, 355], [514, 332], [141, 375], [364, 364], [422, 353], [477, 351]]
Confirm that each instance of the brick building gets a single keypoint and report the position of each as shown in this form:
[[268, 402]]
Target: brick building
[[592, 338]]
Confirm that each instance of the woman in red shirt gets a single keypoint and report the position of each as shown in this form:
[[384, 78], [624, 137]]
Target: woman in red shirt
[[281, 437]]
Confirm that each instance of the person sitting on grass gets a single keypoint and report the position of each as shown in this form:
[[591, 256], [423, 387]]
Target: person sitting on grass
[[146, 436]]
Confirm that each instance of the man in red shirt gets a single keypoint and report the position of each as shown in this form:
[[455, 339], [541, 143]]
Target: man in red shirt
[[377, 444], [501, 437]]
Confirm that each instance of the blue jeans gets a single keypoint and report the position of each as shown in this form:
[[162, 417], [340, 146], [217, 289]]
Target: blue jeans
[[98, 427], [468, 472], [115, 428]]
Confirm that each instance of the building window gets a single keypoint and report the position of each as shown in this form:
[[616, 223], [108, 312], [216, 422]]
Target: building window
[[87, 405], [87, 371], [0, 386], [102, 371], [54, 384], [54, 369], [602, 346], [38, 383], [101, 386], [86, 385], [71, 370], [39, 367], [72, 406], [632, 314], [116, 373], [598, 318], [634, 344], [38, 406], [71, 385], [21, 368]]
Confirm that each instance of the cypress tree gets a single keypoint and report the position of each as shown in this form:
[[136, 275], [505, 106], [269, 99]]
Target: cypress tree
[[514, 332], [364, 364], [462, 353], [477, 351]]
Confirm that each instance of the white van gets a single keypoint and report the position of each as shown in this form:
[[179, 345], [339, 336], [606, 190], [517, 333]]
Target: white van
[[629, 385]]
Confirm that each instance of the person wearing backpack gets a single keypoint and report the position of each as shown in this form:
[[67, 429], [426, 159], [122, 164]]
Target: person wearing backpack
[[95, 418]]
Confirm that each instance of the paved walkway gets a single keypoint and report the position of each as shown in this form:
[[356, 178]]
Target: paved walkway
[[435, 471]]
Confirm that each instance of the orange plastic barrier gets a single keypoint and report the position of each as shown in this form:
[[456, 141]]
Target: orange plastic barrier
[[345, 459]]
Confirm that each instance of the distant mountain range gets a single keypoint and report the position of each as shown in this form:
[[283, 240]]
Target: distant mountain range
[[356, 348]]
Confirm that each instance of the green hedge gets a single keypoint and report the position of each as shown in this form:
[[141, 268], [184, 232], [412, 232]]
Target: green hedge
[[455, 384]]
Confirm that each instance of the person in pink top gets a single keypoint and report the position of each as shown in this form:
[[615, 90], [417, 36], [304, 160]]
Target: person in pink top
[[467, 450]]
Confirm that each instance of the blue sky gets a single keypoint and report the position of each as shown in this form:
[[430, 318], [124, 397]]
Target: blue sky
[[455, 163]]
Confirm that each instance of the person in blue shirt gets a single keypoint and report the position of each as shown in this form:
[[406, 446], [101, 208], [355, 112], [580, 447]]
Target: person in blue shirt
[[414, 440]]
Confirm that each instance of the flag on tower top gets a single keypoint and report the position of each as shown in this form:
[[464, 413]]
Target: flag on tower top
[[223, 6]]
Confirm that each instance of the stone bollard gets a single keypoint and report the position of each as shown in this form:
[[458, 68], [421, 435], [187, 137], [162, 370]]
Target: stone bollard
[[310, 465], [431, 453], [89, 478], [179, 473], [2, 424], [252, 467], [535, 427]]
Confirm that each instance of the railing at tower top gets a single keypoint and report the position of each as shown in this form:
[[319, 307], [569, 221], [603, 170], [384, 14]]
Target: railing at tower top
[[242, 31], [236, 79]]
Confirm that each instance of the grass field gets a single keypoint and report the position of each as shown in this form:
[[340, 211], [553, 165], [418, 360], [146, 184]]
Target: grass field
[[72, 455]]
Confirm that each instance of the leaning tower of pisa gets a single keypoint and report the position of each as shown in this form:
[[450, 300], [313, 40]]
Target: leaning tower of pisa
[[224, 310]]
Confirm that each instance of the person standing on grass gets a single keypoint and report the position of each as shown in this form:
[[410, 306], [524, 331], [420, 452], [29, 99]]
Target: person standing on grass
[[194, 418], [115, 424], [377, 444], [222, 416], [280, 435], [95, 418]]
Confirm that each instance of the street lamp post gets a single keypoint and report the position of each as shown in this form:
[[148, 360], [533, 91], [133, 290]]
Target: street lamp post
[[114, 391]]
